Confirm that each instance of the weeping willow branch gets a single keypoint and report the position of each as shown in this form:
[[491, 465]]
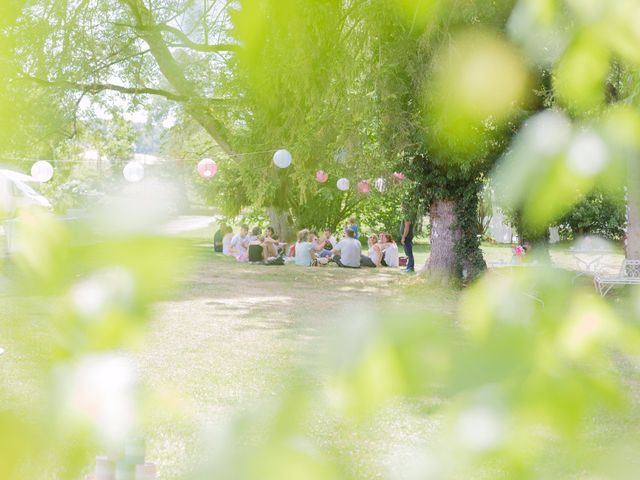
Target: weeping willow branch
[[94, 88]]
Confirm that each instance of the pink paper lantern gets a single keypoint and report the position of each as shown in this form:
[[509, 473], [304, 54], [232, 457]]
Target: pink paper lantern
[[207, 168], [322, 176], [398, 176], [363, 186]]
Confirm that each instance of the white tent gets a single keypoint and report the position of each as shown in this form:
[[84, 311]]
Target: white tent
[[15, 191]]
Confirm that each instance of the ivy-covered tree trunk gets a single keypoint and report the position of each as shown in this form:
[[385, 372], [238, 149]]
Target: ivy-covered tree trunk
[[470, 260], [455, 241], [441, 264], [632, 241]]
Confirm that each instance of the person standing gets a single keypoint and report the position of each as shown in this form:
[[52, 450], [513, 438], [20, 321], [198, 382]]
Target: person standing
[[353, 225], [406, 240]]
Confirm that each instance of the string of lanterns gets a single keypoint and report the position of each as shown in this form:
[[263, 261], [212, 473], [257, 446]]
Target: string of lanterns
[[207, 168], [133, 172], [42, 171]]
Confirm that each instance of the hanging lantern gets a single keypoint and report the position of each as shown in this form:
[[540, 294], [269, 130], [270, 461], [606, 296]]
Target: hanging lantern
[[398, 176], [363, 186], [42, 171], [380, 185], [322, 176], [282, 158], [133, 172], [207, 168], [343, 184]]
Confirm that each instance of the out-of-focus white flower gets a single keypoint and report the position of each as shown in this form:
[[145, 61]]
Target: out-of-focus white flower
[[100, 390], [480, 428], [107, 288], [414, 462], [547, 133], [588, 154]]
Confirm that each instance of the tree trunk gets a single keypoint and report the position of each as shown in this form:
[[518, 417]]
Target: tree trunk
[[632, 237], [441, 264], [281, 224]]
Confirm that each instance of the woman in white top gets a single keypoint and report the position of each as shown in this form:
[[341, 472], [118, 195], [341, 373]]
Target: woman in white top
[[390, 250], [305, 254], [374, 253]]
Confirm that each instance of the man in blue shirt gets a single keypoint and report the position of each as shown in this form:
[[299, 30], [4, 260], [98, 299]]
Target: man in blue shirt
[[353, 226]]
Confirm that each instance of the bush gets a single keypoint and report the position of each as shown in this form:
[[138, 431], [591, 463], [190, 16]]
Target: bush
[[72, 194], [598, 213]]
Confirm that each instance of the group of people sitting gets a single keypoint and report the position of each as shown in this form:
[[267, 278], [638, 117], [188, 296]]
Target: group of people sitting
[[245, 247], [310, 248]]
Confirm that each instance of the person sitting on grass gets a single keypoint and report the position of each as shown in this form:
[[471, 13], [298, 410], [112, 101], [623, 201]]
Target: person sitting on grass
[[329, 242], [390, 251], [348, 251], [317, 242], [240, 245], [305, 256], [226, 240], [256, 249], [271, 244], [374, 255], [218, 237]]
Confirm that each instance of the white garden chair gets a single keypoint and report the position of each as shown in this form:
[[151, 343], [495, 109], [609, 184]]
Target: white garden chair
[[629, 274]]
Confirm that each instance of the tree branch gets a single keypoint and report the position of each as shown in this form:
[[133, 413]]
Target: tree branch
[[94, 88], [186, 42], [173, 71]]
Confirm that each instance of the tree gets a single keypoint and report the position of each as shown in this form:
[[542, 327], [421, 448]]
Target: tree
[[83, 46], [440, 127], [599, 213], [282, 76], [32, 120], [589, 138]]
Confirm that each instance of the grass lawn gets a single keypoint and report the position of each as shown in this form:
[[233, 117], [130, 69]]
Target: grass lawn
[[228, 337], [231, 335]]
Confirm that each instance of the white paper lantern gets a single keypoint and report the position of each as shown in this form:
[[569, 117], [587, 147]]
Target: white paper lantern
[[341, 155], [343, 184], [207, 168], [282, 158], [133, 172], [380, 185], [42, 171]]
